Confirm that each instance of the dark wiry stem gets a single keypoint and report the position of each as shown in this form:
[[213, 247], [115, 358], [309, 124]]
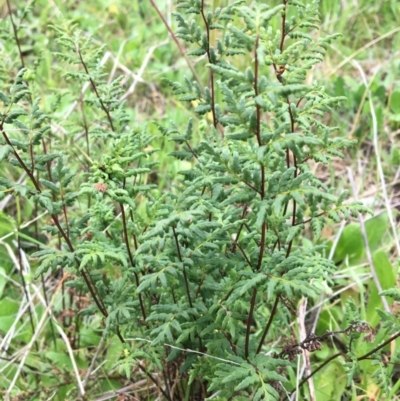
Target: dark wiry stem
[[244, 254], [308, 220], [258, 109], [283, 26], [94, 87], [368, 354], [318, 369], [183, 267], [266, 330], [262, 195], [132, 262], [150, 376], [208, 51], [175, 39], [21, 57], [249, 320]]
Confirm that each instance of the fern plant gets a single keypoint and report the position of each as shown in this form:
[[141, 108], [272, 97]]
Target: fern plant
[[201, 281], [227, 259]]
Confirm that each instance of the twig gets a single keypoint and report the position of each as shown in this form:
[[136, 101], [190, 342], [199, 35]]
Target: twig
[[306, 353], [367, 247], [21, 57], [192, 351], [378, 158], [94, 87], [183, 267], [132, 262], [317, 369], [249, 321], [141, 70], [72, 358], [368, 354], [208, 51], [360, 50], [90, 370], [271, 317], [28, 347], [175, 39]]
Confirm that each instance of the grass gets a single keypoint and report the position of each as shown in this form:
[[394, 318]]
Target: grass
[[45, 352]]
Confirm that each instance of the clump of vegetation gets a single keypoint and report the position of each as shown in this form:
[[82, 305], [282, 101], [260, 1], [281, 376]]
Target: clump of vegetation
[[203, 278]]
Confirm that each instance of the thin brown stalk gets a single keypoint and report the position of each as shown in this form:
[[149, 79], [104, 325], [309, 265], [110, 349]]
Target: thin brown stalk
[[15, 30], [175, 39], [267, 327], [94, 87], [208, 51], [249, 321], [262, 195], [130, 256], [183, 267]]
